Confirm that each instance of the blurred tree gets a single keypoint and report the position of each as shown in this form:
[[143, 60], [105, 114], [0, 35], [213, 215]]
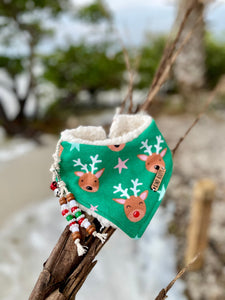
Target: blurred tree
[[150, 55], [189, 68], [215, 60], [94, 12], [22, 30], [21, 26], [84, 68]]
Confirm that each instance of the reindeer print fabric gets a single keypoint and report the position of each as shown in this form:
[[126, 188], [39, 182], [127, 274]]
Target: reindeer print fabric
[[111, 177]]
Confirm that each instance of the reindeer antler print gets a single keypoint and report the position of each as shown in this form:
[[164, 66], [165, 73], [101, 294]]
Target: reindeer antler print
[[89, 181], [124, 193], [134, 206], [148, 148], [94, 161], [153, 161], [159, 141], [79, 163], [135, 184]]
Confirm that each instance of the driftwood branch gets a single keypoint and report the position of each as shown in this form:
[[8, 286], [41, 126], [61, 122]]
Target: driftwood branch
[[64, 272]]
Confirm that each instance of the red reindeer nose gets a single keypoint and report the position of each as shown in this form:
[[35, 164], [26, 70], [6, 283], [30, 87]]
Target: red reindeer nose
[[136, 214]]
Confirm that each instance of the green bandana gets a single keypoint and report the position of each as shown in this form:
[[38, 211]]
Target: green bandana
[[112, 178]]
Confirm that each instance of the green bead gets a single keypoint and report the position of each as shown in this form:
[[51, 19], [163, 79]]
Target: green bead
[[78, 213], [69, 217]]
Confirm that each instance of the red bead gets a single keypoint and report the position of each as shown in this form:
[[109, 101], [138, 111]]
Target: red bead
[[80, 221], [72, 223], [53, 185], [74, 208], [64, 212]]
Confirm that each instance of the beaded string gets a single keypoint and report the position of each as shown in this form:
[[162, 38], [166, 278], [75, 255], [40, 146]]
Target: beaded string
[[73, 225], [82, 221], [77, 218], [73, 214]]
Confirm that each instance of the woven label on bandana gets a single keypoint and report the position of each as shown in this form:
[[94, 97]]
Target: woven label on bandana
[[113, 178]]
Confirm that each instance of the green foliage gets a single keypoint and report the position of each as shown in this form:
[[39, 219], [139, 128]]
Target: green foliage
[[13, 65], [95, 12], [84, 67], [21, 19], [24, 22], [150, 55], [16, 8], [215, 60]]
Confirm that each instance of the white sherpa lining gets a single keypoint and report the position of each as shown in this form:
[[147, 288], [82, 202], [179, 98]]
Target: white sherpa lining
[[124, 128]]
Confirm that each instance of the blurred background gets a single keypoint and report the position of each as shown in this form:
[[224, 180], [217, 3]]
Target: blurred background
[[62, 65]]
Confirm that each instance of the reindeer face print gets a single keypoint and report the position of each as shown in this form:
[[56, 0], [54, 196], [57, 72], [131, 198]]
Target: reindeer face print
[[89, 181], [116, 148], [153, 161], [134, 206]]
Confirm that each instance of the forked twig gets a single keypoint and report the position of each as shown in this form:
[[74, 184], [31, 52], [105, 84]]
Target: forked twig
[[163, 293], [170, 47], [168, 61], [206, 106]]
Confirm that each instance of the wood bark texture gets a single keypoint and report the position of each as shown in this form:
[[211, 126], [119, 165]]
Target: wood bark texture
[[64, 271]]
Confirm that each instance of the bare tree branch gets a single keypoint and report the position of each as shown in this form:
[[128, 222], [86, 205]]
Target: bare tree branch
[[163, 293], [170, 54]]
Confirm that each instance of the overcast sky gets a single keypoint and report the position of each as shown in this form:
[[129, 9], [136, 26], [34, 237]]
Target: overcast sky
[[133, 18]]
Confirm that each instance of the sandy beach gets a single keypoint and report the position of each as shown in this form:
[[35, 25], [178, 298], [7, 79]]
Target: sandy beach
[[25, 179]]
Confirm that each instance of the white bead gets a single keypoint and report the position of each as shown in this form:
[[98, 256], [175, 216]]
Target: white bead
[[74, 228], [63, 207], [81, 216], [85, 223], [75, 211], [73, 203], [57, 192], [73, 220]]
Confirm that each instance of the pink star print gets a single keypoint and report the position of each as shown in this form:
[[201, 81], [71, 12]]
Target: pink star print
[[94, 208], [121, 165]]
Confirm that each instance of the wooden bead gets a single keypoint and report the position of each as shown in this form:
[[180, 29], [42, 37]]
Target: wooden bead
[[91, 229], [62, 201], [76, 235], [70, 197]]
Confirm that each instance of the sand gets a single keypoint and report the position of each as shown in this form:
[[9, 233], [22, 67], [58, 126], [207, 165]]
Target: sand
[[25, 179]]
